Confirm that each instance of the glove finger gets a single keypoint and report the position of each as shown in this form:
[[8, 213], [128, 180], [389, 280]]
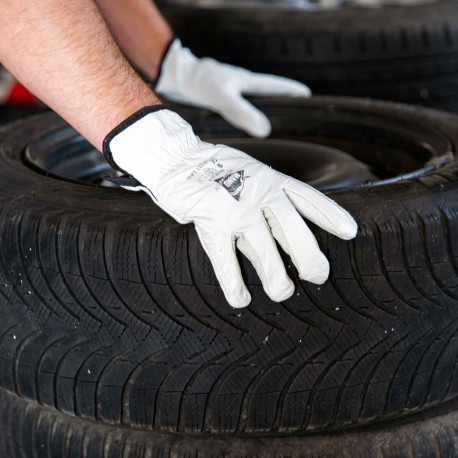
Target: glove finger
[[272, 85], [297, 240], [223, 257], [244, 115], [321, 210], [259, 247]]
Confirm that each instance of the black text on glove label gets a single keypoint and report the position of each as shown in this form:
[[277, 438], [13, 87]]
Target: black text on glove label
[[233, 183]]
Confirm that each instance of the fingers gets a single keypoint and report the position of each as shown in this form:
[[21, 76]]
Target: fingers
[[224, 260], [244, 115], [272, 85], [258, 245], [321, 210], [297, 240]]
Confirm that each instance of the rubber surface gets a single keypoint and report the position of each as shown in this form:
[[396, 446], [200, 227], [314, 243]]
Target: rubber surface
[[111, 311], [30, 430], [403, 53]]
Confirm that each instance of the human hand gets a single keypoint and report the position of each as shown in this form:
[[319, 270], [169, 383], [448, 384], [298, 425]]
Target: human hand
[[220, 87], [234, 201]]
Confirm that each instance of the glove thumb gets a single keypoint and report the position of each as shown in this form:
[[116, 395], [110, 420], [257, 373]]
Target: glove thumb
[[244, 115]]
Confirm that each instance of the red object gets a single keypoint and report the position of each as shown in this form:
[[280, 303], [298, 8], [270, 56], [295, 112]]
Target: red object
[[19, 95], [12, 92]]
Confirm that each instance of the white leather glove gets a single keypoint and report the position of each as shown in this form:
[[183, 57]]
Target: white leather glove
[[233, 200], [207, 83]]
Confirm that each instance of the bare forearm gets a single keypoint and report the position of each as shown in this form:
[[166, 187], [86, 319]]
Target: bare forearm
[[140, 30], [65, 54]]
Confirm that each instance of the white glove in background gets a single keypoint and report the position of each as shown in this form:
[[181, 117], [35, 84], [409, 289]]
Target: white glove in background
[[210, 84], [233, 200]]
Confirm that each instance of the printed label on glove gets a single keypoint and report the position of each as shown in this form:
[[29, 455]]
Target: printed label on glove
[[211, 169], [233, 183], [206, 171]]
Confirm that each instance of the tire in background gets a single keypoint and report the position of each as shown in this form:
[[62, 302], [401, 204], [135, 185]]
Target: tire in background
[[405, 53]]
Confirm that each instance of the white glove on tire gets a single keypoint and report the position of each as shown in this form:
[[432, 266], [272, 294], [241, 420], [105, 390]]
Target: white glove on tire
[[233, 200], [207, 83]]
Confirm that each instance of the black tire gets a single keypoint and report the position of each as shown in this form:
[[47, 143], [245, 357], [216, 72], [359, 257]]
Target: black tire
[[31, 430], [110, 310], [404, 53]]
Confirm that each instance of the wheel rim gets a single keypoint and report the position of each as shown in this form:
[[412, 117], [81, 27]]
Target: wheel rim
[[66, 155], [329, 147]]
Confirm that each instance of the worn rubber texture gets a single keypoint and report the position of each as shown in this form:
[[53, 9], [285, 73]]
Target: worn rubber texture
[[404, 53], [110, 310], [28, 429]]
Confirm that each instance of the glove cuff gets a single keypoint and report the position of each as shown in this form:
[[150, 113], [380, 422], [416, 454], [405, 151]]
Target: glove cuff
[[122, 126], [161, 64], [177, 65], [151, 144]]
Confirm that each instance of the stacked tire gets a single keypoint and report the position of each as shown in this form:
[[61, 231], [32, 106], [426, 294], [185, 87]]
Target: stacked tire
[[401, 52], [116, 340]]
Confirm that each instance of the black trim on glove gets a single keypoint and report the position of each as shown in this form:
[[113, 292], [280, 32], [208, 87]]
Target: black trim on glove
[[123, 181], [124, 125]]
